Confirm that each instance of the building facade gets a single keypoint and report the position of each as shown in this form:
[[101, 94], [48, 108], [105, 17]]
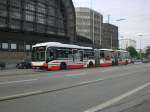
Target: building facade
[[26, 22], [125, 43], [109, 36], [89, 24]]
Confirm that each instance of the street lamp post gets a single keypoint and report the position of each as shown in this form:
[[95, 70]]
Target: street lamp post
[[140, 36]]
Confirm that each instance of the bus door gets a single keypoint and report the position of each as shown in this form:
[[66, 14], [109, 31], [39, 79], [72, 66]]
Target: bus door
[[81, 55], [75, 55], [102, 57]]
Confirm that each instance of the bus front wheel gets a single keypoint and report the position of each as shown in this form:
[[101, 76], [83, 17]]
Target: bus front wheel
[[91, 65], [63, 66]]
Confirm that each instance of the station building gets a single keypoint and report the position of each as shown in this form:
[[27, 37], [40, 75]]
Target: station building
[[26, 22]]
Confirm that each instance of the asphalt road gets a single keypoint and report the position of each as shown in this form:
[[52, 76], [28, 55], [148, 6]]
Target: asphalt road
[[112, 89]]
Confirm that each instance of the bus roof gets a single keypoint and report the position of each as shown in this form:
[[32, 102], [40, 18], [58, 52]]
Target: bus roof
[[122, 50], [57, 44], [106, 49]]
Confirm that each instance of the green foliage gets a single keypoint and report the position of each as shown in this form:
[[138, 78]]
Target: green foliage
[[133, 52]]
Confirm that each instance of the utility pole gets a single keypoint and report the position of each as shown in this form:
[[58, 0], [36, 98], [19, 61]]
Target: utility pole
[[140, 46]]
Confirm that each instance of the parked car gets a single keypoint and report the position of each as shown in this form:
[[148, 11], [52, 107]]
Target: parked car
[[2, 65], [25, 64]]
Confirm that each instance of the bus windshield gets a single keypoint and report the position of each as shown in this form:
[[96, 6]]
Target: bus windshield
[[38, 54]]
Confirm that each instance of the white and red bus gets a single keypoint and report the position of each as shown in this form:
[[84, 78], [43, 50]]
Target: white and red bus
[[56, 56], [123, 57]]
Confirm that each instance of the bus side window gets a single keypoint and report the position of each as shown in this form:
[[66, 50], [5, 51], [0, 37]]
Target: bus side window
[[102, 54], [74, 54], [50, 55], [81, 55]]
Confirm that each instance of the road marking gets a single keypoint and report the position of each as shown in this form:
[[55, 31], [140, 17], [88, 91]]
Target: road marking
[[21, 95], [20, 81], [117, 99], [93, 81]]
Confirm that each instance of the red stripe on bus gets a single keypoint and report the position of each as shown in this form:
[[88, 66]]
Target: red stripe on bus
[[54, 68], [105, 64], [75, 66]]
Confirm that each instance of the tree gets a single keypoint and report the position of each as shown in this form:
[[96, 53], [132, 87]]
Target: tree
[[133, 52]]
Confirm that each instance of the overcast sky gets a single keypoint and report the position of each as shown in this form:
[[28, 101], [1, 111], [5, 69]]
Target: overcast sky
[[136, 13]]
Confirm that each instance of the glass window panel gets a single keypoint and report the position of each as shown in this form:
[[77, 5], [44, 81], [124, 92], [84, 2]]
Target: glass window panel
[[28, 26], [21, 46], [51, 11], [15, 24], [15, 13], [51, 30], [51, 3], [3, 10], [4, 45], [2, 22], [51, 21], [40, 4], [60, 32], [41, 18], [41, 28], [29, 16], [28, 47], [3, 1], [30, 5], [41, 8], [16, 3], [60, 23], [13, 46]]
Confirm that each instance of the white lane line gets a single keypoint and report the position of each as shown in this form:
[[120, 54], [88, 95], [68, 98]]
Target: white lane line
[[92, 81], [20, 95], [117, 99], [44, 91], [20, 81]]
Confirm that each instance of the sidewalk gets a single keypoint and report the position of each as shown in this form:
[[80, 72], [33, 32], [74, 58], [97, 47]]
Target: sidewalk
[[12, 72]]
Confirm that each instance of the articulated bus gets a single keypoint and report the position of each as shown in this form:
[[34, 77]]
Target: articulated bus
[[56, 56]]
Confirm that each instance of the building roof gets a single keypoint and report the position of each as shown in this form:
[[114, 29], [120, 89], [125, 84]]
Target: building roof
[[86, 9]]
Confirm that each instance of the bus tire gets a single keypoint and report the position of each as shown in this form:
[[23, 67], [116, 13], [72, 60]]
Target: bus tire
[[63, 66], [127, 63], [91, 65], [113, 63]]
